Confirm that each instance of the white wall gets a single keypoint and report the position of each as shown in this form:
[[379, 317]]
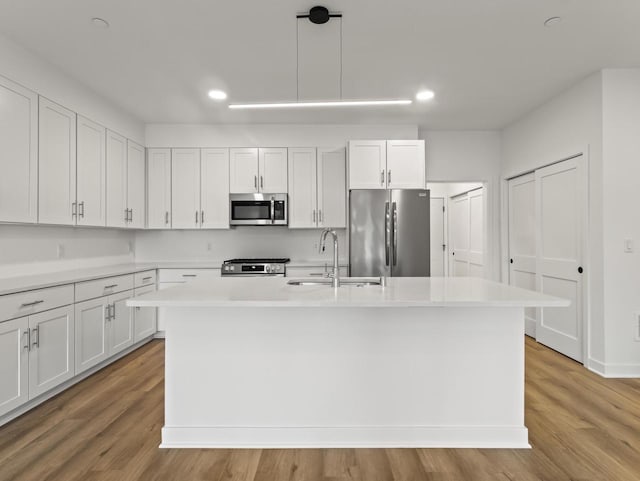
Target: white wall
[[470, 156], [33, 72], [276, 135], [621, 188], [568, 124]]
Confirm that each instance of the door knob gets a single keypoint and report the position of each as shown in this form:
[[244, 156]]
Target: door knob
[[511, 261], [580, 270]]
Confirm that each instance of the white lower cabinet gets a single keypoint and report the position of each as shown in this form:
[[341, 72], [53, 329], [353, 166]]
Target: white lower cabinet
[[104, 327], [144, 318], [14, 364]]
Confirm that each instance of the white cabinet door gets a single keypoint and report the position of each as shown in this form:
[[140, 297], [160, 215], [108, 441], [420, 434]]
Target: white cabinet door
[[52, 357], [272, 169], [91, 333], [303, 211], [185, 188], [56, 164], [121, 324], [136, 193], [332, 193], [243, 171], [405, 164], [18, 154], [144, 318], [159, 188], [91, 173], [14, 364], [367, 164], [214, 189], [116, 180]]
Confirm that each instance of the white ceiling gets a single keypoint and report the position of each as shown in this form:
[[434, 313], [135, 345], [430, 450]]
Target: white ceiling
[[489, 61]]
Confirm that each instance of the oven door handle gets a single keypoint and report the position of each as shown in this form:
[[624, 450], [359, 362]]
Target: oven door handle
[[273, 210]]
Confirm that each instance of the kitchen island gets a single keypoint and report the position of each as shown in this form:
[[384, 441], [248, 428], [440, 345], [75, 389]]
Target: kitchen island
[[421, 362]]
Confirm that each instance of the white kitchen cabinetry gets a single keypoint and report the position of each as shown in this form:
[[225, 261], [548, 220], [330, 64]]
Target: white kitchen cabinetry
[[159, 188], [200, 188], [91, 182], [18, 154], [14, 364], [392, 164], [144, 320], [317, 188], [56, 164], [258, 170], [117, 213], [136, 194], [121, 323], [51, 353]]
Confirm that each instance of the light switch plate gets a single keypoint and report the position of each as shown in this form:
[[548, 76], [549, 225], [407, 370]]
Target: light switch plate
[[628, 245]]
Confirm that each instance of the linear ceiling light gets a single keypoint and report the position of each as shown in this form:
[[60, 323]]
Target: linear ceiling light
[[330, 103]]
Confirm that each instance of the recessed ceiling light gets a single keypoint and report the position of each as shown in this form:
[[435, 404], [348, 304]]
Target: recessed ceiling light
[[99, 22], [425, 95], [553, 21], [331, 103], [217, 94]]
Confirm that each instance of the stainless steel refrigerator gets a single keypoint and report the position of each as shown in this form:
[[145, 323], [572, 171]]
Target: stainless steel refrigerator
[[389, 233]]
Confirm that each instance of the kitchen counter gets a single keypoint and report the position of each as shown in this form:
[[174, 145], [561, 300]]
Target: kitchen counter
[[423, 362]]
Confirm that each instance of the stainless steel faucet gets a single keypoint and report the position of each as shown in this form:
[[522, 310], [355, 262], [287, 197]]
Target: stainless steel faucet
[[336, 267]]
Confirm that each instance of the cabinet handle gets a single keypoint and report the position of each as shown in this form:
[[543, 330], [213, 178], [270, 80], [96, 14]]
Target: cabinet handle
[[31, 304], [126, 215], [27, 345], [320, 216], [196, 217], [261, 182], [316, 274], [314, 216], [166, 218], [147, 278], [111, 286], [189, 275], [74, 209], [201, 217], [389, 177], [255, 182], [130, 215], [36, 337], [107, 313], [382, 178], [81, 205]]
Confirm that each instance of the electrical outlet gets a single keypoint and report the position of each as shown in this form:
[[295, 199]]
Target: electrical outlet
[[60, 251], [628, 246]]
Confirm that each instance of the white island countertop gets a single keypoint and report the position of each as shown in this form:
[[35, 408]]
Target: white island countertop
[[399, 292]]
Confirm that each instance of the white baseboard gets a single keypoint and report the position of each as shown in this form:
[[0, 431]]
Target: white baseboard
[[611, 370], [345, 437]]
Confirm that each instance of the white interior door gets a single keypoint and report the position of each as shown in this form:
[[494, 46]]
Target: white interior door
[[438, 244], [302, 188], [56, 164], [332, 188], [273, 170], [476, 233], [116, 180], [185, 185], [522, 241], [159, 188], [459, 228], [92, 182], [214, 189], [560, 203]]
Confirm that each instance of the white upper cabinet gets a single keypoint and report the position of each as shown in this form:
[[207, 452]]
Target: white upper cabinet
[[56, 164], [302, 188], [272, 170], [243, 171], [185, 185], [159, 188], [135, 185], [392, 164], [405, 164], [214, 189], [332, 188], [91, 174], [117, 213], [18, 153], [367, 164]]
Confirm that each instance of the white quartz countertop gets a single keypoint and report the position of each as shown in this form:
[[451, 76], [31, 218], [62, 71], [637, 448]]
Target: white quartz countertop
[[399, 292]]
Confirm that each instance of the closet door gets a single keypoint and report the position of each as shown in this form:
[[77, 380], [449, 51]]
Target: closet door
[[214, 189], [332, 188], [18, 153], [522, 241], [116, 180], [303, 212], [136, 192], [476, 233], [56, 164], [185, 184], [459, 225], [559, 213], [91, 182]]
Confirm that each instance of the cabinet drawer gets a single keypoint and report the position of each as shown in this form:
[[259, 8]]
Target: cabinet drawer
[[103, 287], [30, 302], [146, 278], [186, 275]]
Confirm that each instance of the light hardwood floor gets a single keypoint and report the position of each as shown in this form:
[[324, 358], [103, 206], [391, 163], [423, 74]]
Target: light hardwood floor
[[107, 428]]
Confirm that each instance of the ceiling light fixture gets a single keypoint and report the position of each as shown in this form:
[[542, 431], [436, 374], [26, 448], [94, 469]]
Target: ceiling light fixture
[[217, 94], [99, 22], [320, 15], [330, 103], [424, 95], [553, 21]]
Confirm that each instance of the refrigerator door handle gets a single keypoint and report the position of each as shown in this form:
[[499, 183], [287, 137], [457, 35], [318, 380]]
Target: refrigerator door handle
[[395, 233], [387, 233]]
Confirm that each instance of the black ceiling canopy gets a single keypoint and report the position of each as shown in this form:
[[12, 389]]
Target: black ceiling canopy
[[319, 15]]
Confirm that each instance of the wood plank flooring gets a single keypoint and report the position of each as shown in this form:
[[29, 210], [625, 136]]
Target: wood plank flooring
[[107, 428]]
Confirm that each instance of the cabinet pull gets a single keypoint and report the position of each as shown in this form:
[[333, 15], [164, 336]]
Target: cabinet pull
[[81, 210], [382, 178], [74, 209], [27, 345], [388, 177], [31, 304], [126, 215], [130, 215], [36, 337], [147, 278], [111, 286], [316, 274], [189, 275], [255, 182], [261, 182], [166, 218], [201, 217], [314, 216], [320, 216], [196, 217]]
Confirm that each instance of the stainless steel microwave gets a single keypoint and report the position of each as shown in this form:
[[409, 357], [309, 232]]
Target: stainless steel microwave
[[258, 209]]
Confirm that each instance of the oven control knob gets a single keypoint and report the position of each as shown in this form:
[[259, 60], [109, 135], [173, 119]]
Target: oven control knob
[[268, 269]]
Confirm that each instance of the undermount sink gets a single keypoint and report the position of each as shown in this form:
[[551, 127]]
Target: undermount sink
[[344, 281]]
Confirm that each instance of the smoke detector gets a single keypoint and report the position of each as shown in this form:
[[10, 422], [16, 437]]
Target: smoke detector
[[319, 15]]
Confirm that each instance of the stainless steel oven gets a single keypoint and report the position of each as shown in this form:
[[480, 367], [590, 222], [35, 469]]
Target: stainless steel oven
[[258, 209]]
